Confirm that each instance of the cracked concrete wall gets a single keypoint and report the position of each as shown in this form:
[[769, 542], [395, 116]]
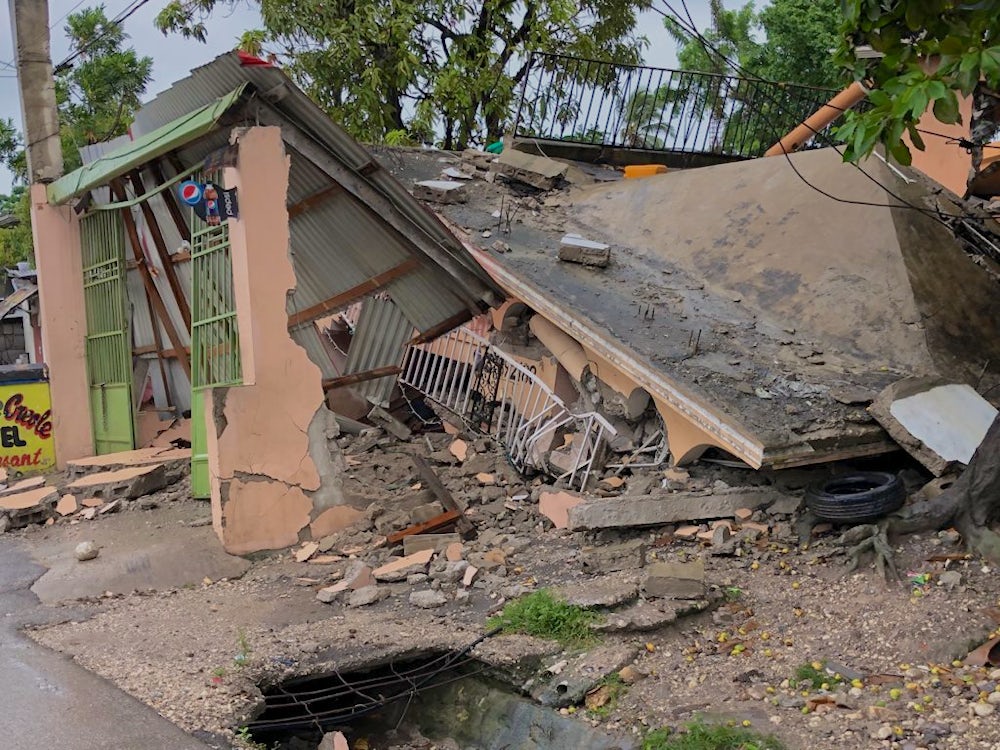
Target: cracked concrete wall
[[273, 460], [63, 321]]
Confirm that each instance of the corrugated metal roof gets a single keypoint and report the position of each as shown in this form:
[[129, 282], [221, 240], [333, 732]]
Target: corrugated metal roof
[[379, 341], [142, 150]]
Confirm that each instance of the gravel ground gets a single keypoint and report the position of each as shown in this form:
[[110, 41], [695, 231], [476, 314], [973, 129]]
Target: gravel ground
[[201, 654]]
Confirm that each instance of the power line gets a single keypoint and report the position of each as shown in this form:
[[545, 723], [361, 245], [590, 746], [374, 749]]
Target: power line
[[10, 63], [116, 21], [691, 29]]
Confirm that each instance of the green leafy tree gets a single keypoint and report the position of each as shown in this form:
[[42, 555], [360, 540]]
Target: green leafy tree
[[789, 41], [427, 67], [97, 95], [646, 122], [928, 52], [931, 52]]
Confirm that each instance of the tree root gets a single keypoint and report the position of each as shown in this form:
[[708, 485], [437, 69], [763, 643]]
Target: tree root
[[873, 538]]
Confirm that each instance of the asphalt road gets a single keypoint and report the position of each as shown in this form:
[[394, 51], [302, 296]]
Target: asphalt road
[[47, 701]]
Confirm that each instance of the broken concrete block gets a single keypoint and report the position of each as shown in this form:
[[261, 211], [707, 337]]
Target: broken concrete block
[[582, 673], [663, 508], [436, 542], [92, 502], [113, 507], [453, 572], [469, 576], [67, 505], [555, 506], [686, 533], [486, 480], [33, 506], [785, 506], [176, 461], [453, 552], [459, 449], [358, 576], [24, 484], [608, 558], [455, 174], [936, 422], [367, 595], [88, 514], [306, 551], [335, 519], [126, 484], [400, 568], [575, 249], [639, 617], [605, 591], [721, 535], [428, 599], [478, 160], [86, 551], [440, 191], [389, 423], [537, 171], [675, 580], [743, 514]]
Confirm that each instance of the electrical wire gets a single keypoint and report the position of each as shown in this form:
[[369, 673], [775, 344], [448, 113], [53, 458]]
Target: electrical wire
[[118, 20], [692, 29]]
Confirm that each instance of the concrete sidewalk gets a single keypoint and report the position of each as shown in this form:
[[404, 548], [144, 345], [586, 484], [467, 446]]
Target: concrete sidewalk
[[51, 702]]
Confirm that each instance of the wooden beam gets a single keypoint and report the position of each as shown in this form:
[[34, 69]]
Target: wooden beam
[[166, 353], [444, 496], [441, 328], [168, 197], [152, 293], [339, 301], [448, 517], [360, 377], [161, 249], [314, 200]]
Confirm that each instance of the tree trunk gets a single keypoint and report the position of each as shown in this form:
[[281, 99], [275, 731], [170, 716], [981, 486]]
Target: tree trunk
[[971, 504]]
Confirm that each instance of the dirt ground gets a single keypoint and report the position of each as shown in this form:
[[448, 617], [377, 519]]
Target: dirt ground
[[197, 653]]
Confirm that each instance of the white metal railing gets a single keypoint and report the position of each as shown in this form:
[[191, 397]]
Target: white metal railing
[[524, 415]]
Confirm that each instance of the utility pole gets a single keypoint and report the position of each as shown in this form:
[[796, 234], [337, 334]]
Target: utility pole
[[30, 24]]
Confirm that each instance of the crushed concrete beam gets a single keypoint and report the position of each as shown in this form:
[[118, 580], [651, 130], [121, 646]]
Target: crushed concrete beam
[[384, 419], [122, 484], [576, 249], [32, 506], [440, 191], [174, 459], [446, 518], [665, 508], [669, 580], [401, 567], [537, 171], [936, 422], [478, 160], [444, 496]]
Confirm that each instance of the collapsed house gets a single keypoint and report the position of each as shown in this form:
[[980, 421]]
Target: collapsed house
[[585, 321]]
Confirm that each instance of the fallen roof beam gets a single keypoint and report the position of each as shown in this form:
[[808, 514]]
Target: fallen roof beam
[[315, 199], [736, 437], [339, 301], [361, 377]]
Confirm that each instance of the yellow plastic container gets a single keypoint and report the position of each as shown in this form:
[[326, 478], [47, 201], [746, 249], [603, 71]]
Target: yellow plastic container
[[635, 171]]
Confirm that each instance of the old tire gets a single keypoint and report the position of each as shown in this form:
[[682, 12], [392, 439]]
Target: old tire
[[856, 498]]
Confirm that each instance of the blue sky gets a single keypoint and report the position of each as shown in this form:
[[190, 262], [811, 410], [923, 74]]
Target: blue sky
[[173, 56]]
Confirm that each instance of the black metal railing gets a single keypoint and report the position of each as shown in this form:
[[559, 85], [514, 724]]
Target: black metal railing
[[592, 102]]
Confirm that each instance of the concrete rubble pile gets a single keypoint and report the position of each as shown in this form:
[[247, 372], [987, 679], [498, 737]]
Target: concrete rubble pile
[[92, 487]]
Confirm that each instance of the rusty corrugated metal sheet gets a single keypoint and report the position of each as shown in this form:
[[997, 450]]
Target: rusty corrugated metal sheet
[[379, 341]]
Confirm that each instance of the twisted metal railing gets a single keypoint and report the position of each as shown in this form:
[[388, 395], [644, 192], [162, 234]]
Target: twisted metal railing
[[496, 395], [592, 102]]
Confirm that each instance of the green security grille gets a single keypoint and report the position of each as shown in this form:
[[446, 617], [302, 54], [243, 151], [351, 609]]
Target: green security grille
[[109, 354], [215, 344]]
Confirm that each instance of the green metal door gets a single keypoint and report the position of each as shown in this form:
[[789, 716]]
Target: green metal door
[[215, 344], [109, 350]]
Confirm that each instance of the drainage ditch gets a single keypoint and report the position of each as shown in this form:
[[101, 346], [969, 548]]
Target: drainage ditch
[[448, 698]]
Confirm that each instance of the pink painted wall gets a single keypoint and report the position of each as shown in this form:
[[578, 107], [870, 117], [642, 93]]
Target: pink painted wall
[[942, 161], [259, 462], [64, 324]]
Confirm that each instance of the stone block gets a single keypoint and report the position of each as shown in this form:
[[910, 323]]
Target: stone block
[[22, 508], [537, 171], [123, 484], [440, 191], [667, 580], [664, 508], [606, 591], [575, 249], [436, 542], [555, 506], [608, 558], [400, 568]]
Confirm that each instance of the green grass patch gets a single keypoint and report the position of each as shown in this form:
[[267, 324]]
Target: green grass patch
[[701, 736], [543, 615], [814, 676]]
